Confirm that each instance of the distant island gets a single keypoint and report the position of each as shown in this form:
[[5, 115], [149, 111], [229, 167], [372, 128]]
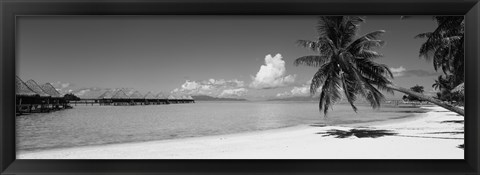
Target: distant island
[[210, 98]]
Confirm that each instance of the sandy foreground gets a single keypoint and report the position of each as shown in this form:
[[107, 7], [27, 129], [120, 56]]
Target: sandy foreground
[[432, 135]]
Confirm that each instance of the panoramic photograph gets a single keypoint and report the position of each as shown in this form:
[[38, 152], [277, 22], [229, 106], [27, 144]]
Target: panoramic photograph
[[240, 87]]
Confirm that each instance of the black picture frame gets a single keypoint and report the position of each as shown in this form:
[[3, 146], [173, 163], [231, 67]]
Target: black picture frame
[[12, 8]]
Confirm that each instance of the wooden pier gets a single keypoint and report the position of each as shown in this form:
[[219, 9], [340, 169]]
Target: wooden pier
[[129, 102]]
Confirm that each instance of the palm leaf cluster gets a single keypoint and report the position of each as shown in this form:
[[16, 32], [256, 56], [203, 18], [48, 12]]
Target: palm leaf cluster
[[345, 62], [447, 90], [443, 82], [445, 46]]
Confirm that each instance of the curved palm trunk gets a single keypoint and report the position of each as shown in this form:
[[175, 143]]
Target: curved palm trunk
[[429, 99]]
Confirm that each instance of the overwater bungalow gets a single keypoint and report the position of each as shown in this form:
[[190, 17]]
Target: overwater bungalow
[[120, 98], [150, 98], [162, 99], [172, 99], [188, 99], [184, 99], [57, 101], [106, 97], [26, 99], [31, 97], [177, 98], [43, 103], [136, 98]]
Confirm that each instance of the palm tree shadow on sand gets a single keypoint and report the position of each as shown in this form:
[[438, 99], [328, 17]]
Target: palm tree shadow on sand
[[360, 133]]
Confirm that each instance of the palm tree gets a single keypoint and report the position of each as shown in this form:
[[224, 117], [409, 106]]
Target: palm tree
[[446, 83], [445, 46], [345, 65], [438, 85]]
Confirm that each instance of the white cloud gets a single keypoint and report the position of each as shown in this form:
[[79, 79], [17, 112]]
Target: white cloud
[[272, 74], [402, 72], [296, 91], [233, 92], [284, 94], [210, 87], [64, 87], [82, 92], [301, 91], [88, 92], [192, 86], [397, 72]]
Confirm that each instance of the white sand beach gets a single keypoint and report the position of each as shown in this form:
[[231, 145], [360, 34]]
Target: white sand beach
[[432, 135]]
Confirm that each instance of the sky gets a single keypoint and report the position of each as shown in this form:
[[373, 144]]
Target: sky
[[223, 56]]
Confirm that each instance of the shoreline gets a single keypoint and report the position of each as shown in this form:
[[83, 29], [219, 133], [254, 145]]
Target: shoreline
[[296, 142]]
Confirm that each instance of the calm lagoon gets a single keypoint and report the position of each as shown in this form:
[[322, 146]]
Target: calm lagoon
[[97, 125]]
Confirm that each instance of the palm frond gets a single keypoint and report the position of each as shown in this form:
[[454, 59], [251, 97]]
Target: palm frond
[[311, 60], [368, 54], [330, 92], [312, 45], [371, 94], [375, 97], [423, 35], [369, 40], [328, 26], [322, 45], [319, 78], [373, 70], [349, 92], [348, 29]]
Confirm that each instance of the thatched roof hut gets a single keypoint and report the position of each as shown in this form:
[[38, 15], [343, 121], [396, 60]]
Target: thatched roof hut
[[120, 95], [50, 90], [21, 89], [128, 91], [36, 88], [136, 95], [149, 95], [459, 89], [107, 94]]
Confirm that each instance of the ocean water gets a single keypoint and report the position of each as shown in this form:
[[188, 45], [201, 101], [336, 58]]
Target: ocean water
[[95, 125]]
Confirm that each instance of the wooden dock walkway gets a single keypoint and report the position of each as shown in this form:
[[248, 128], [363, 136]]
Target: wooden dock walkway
[[130, 102]]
